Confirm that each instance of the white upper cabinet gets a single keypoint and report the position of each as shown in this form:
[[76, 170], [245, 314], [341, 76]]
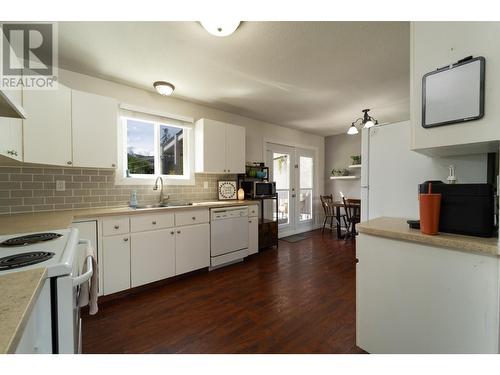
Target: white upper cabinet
[[235, 149], [11, 138], [94, 125], [437, 44], [70, 128], [220, 147], [47, 129]]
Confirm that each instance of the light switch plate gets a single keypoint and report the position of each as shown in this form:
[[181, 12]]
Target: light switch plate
[[60, 185]]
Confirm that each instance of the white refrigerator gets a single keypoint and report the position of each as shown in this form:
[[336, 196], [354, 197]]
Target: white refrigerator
[[391, 172]]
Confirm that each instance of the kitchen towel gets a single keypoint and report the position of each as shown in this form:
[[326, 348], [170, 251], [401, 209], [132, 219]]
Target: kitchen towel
[[88, 290]]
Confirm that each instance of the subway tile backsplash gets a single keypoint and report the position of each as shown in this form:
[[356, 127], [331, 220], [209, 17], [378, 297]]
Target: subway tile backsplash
[[33, 189]]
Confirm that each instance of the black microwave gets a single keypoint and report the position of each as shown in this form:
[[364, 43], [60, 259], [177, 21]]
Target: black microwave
[[258, 189]]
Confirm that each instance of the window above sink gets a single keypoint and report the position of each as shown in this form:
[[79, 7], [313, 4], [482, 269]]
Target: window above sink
[[153, 146]]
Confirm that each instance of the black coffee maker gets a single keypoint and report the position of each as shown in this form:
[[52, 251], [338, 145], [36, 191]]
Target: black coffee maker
[[467, 209]]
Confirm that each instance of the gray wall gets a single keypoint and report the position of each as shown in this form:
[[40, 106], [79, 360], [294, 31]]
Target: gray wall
[[338, 151]]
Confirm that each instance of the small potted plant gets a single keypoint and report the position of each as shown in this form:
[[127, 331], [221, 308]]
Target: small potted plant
[[356, 159], [340, 172]]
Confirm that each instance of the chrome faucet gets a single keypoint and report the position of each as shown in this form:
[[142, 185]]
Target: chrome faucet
[[162, 197]]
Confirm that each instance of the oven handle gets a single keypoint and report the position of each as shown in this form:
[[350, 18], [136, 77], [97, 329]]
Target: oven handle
[[90, 269]]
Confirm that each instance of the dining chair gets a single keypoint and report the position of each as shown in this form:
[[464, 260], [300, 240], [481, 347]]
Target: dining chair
[[329, 208], [352, 213]]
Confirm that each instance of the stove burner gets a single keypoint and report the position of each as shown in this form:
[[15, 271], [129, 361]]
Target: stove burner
[[30, 239], [24, 259]]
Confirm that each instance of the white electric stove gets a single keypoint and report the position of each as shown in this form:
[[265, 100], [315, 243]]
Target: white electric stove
[[63, 254]]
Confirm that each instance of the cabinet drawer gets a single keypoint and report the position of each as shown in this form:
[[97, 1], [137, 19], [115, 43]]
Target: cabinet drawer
[[142, 223], [253, 211], [115, 225], [188, 217]]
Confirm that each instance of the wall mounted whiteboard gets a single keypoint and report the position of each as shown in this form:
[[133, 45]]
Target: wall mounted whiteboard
[[453, 94]]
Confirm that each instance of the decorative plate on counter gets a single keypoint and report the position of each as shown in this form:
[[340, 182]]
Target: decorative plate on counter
[[227, 190]]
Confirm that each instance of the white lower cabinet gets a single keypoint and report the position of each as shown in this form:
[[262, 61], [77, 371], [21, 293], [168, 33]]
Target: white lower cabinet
[[253, 235], [152, 256], [116, 263], [141, 249], [420, 299], [192, 248]]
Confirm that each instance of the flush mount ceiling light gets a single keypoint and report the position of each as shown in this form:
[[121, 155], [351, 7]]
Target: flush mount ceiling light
[[164, 88], [220, 28], [366, 121]]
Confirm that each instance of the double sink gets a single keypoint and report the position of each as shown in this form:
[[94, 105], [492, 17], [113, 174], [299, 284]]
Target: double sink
[[159, 205]]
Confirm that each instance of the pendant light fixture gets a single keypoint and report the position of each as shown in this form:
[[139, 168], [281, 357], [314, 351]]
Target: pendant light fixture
[[164, 88], [366, 121]]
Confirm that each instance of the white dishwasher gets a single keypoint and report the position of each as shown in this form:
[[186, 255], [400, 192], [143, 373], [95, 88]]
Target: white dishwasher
[[229, 235]]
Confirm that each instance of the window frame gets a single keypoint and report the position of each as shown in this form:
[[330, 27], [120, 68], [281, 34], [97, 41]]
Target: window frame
[[145, 179]]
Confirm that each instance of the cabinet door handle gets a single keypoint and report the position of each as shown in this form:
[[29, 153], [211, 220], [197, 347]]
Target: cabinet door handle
[[194, 218], [125, 239], [113, 165], [69, 162], [154, 222], [117, 227], [172, 233], [250, 221], [179, 231]]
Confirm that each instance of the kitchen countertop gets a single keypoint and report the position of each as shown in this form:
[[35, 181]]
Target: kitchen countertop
[[397, 228], [46, 221], [18, 294]]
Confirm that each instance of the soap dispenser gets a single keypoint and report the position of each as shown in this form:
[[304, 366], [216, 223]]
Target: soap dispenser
[[452, 179], [133, 199]]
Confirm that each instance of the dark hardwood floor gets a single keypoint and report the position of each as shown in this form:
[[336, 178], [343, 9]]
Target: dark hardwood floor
[[299, 298]]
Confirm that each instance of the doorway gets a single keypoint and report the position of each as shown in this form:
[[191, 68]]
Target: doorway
[[292, 169]]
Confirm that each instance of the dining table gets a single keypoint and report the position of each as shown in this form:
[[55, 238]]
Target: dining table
[[338, 206]]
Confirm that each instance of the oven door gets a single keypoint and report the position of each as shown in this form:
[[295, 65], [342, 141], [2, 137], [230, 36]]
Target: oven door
[[69, 323]]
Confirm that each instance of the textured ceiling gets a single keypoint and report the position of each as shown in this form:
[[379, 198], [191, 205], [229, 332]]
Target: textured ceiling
[[313, 76]]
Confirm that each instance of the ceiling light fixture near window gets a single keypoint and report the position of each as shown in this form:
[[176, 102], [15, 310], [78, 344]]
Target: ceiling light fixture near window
[[366, 121], [220, 28], [164, 88]]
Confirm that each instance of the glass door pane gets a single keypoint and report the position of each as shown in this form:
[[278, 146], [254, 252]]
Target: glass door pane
[[281, 175], [305, 188]]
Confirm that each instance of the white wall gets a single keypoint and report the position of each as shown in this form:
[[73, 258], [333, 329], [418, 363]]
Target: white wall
[[338, 151], [257, 132], [437, 44]]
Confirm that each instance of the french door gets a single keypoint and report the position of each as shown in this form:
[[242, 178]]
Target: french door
[[293, 171]]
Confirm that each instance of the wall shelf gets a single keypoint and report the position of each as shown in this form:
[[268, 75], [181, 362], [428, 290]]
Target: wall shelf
[[344, 177], [354, 166]]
